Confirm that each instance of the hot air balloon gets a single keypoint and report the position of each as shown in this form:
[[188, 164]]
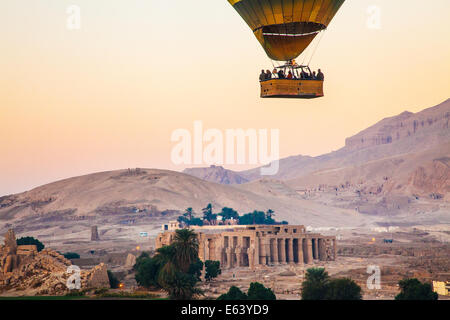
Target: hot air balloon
[[285, 28]]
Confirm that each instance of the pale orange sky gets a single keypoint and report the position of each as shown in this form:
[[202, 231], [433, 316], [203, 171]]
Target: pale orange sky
[[109, 95]]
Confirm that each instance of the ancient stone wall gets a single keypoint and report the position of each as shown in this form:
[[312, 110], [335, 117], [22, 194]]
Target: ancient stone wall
[[260, 245], [24, 270]]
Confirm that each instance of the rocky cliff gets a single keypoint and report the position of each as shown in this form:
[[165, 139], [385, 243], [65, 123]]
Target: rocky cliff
[[431, 121]]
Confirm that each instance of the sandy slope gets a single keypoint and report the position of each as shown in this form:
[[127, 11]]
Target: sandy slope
[[117, 194]]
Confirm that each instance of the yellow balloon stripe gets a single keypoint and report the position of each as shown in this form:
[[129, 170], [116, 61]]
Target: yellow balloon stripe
[[281, 19]]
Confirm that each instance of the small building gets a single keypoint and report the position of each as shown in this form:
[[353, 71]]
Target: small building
[[171, 226]]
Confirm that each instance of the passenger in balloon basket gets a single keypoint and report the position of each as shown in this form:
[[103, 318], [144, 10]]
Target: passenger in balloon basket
[[303, 75], [262, 76], [275, 72], [320, 75]]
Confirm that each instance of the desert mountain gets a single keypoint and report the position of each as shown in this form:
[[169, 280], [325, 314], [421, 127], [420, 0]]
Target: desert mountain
[[217, 174], [397, 171], [404, 154], [144, 196], [406, 133]]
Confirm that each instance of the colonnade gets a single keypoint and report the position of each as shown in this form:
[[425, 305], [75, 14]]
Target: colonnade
[[269, 251]]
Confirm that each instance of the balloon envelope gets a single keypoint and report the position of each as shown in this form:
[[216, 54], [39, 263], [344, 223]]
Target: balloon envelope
[[285, 28]]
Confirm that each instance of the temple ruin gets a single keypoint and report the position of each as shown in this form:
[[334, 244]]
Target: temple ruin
[[256, 245]]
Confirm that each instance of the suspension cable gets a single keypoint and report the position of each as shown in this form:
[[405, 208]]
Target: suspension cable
[[305, 54], [317, 45]]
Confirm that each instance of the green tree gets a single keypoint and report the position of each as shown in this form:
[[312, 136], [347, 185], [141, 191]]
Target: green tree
[[175, 268], [259, 217], [212, 269], [343, 289], [143, 256], [258, 292], [270, 213], [196, 268], [146, 271], [166, 259], [113, 281], [413, 289], [196, 222], [71, 255], [182, 287], [234, 293], [183, 220], [30, 241], [229, 213], [189, 213], [315, 285], [207, 213], [255, 217], [186, 248]]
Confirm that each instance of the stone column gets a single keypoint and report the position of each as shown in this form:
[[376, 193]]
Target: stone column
[[267, 249], [300, 251], [238, 252], [321, 249], [219, 255], [229, 257], [240, 256], [283, 251], [201, 250], [275, 251], [316, 248], [310, 256], [207, 250], [290, 252], [262, 251], [334, 248], [251, 257], [256, 246]]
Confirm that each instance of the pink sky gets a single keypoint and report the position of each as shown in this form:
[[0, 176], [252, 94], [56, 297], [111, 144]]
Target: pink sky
[[108, 96]]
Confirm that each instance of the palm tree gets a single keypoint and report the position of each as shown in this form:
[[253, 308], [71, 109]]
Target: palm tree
[[186, 248], [270, 213], [166, 258], [207, 212], [182, 287], [189, 213]]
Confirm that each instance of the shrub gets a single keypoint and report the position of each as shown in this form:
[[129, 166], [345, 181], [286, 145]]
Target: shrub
[[234, 293], [75, 293], [319, 286], [71, 255], [113, 281], [182, 286], [196, 268], [196, 222], [212, 269], [315, 285], [101, 291], [413, 289], [147, 270], [343, 289], [258, 292]]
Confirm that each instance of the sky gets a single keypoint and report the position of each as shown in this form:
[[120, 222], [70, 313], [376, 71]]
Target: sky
[[110, 94]]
